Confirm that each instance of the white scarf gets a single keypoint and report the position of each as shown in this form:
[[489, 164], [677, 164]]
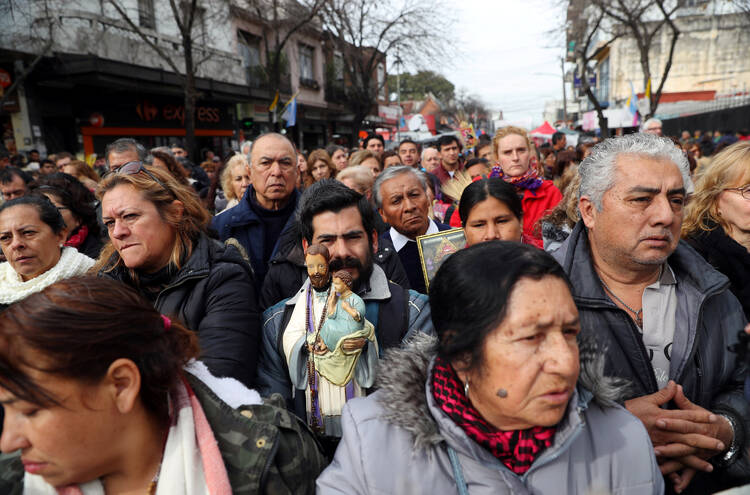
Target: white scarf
[[13, 288], [183, 469]]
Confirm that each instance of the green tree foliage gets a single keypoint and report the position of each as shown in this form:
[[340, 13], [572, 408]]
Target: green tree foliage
[[416, 86]]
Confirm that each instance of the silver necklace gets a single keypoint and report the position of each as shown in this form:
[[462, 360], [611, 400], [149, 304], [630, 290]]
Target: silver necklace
[[638, 314]]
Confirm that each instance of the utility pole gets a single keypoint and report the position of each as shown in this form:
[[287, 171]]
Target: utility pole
[[565, 99]]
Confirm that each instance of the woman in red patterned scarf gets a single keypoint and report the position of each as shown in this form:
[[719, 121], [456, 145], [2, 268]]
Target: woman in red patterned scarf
[[515, 164], [505, 400]]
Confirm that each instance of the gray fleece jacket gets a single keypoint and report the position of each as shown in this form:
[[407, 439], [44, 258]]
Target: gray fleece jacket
[[395, 441]]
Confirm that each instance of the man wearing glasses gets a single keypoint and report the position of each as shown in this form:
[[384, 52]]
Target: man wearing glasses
[[266, 211]]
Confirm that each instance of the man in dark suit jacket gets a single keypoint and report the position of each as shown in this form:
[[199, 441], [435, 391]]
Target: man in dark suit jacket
[[401, 198]]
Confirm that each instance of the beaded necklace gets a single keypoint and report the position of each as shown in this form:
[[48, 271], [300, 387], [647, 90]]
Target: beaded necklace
[[315, 423]]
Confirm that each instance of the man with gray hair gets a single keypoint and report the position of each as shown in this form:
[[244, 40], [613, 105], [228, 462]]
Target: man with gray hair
[[267, 209], [123, 150], [664, 316], [652, 126], [401, 197]]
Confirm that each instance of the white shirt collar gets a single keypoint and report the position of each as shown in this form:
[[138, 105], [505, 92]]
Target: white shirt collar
[[399, 240]]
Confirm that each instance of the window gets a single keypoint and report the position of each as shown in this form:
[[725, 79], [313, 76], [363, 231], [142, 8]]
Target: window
[[306, 54], [146, 15], [250, 53], [381, 82], [338, 68]]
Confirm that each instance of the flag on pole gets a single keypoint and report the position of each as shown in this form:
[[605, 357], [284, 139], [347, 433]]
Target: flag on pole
[[290, 112], [275, 102], [632, 104]]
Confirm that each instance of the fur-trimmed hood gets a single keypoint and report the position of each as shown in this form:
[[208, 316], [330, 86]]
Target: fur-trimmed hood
[[403, 373]]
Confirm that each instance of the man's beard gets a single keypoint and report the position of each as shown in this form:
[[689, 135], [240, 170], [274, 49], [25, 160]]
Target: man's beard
[[319, 281], [363, 270]]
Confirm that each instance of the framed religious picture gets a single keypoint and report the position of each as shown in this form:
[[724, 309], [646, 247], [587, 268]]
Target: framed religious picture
[[434, 249]]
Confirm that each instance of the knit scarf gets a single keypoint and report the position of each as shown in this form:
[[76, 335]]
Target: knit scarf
[[78, 237], [191, 464], [530, 180], [517, 449], [71, 264]]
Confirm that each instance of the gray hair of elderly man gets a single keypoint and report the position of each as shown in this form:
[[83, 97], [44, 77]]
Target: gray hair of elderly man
[[426, 149], [598, 170], [125, 144], [392, 172], [647, 123]]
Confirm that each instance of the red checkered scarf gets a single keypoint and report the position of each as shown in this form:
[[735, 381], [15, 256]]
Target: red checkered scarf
[[517, 449]]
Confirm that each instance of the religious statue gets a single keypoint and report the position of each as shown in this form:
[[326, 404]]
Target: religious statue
[[329, 345]]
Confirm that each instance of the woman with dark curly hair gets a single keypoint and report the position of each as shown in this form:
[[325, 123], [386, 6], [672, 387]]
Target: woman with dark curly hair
[[77, 205]]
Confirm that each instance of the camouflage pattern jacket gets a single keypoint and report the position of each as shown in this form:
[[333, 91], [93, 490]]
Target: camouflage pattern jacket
[[265, 448]]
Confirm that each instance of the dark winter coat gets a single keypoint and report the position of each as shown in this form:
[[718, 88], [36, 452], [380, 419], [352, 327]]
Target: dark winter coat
[[707, 320], [243, 224], [213, 294], [730, 258]]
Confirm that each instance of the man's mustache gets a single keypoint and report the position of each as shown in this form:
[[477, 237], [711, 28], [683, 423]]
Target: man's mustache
[[348, 262]]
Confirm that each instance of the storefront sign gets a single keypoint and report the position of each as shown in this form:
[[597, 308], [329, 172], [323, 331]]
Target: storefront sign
[[157, 112]]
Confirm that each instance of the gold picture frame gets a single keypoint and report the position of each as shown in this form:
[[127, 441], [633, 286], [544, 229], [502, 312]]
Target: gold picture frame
[[434, 249]]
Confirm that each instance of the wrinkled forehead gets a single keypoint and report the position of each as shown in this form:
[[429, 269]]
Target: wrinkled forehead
[[639, 167], [274, 146]]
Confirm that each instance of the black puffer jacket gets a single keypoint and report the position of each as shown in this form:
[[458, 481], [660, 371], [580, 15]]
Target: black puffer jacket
[[213, 295], [707, 321], [730, 258]]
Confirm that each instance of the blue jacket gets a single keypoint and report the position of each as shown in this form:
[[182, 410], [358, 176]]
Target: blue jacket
[[243, 224]]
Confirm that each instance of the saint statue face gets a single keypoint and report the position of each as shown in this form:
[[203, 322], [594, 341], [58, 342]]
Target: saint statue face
[[317, 270], [338, 285]]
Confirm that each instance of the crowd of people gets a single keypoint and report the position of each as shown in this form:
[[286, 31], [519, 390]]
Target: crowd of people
[[158, 319]]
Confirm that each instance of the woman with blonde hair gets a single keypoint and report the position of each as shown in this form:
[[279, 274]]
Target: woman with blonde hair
[[234, 179], [159, 245], [516, 164], [717, 220]]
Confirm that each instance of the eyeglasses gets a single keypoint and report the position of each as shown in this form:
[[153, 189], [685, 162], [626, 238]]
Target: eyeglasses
[[744, 191], [132, 168]]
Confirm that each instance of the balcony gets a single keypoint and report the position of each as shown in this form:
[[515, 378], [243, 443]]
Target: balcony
[[335, 92]]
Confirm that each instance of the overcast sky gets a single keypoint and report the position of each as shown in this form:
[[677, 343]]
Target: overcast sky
[[507, 57]]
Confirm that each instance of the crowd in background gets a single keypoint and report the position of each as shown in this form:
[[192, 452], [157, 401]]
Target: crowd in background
[[622, 281]]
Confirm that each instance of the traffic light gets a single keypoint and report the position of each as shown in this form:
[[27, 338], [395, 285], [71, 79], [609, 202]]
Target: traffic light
[[247, 124]]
